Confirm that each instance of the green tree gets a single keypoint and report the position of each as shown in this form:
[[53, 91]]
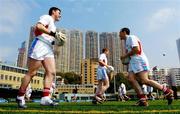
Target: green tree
[[120, 78], [70, 77]]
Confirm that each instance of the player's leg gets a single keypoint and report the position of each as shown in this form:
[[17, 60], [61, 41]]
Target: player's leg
[[33, 66], [98, 93], [136, 86], [134, 83], [143, 77], [105, 80], [105, 85], [50, 70], [99, 87]]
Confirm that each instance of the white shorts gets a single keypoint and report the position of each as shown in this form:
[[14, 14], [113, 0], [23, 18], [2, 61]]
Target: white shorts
[[137, 67], [102, 73], [40, 50]]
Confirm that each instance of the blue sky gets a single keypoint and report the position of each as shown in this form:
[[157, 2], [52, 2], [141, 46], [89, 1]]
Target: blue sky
[[155, 22]]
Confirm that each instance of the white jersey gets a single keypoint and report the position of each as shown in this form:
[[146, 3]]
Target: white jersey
[[53, 87], [101, 72], [133, 41], [28, 91], [103, 58], [138, 62], [122, 88], [149, 89], [39, 49], [48, 22], [144, 88]]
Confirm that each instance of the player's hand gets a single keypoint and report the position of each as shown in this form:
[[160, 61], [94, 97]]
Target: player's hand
[[122, 58], [60, 36], [110, 68], [52, 33], [125, 60]]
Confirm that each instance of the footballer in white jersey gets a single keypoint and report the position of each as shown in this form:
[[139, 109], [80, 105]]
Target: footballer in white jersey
[[102, 77], [139, 68], [138, 62], [41, 54]]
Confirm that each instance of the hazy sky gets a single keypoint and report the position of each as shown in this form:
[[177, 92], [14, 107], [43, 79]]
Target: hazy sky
[[155, 22]]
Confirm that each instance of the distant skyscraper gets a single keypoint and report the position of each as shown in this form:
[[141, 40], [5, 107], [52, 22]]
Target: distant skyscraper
[[160, 75], [22, 55], [23, 50], [174, 74], [31, 36], [113, 43], [178, 47], [76, 51], [62, 53], [91, 44]]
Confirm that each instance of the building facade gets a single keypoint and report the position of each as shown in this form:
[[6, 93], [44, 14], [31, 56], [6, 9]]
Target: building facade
[[91, 44], [76, 51], [62, 53], [178, 47], [89, 71], [113, 43], [82, 89], [22, 55], [11, 77], [174, 74]]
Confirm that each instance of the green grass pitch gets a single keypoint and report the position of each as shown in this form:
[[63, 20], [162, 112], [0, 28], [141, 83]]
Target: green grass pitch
[[108, 107]]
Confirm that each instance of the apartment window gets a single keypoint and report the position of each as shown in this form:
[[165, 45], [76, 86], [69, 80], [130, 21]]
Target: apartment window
[[10, 78], [14, 79], [6, 77], [37, 81], [2, 76], [18, 79]]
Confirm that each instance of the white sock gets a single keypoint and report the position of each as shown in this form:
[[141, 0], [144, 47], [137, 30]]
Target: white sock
[[20, 97]]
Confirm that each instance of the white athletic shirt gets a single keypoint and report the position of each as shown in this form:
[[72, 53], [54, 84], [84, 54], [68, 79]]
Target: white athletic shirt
[[123, 88], [144, 88], [48, 22], [133, 41], [103, 58]]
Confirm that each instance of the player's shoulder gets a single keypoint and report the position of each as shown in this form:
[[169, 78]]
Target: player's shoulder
[[102, 55], [47, 17], [132, 36]]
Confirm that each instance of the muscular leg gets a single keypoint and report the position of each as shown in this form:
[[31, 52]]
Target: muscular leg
[[134, 83], [49, 66], [143, 78], [105, 85], [33, 66], [99, 87]]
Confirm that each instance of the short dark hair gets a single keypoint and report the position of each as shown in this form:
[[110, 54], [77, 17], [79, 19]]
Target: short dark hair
[[53, 9], [126, 30], [104, 50]]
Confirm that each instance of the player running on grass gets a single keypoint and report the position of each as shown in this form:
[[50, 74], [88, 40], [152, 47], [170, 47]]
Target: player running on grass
[[102, 77], [41, 54], [139, 68]]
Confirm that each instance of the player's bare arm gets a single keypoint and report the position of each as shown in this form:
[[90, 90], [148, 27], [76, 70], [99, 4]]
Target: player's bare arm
[[103, 63], [42, 28], [134, 51]]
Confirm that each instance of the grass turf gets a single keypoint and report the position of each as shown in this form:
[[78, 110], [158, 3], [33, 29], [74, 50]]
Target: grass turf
[[156, 107]]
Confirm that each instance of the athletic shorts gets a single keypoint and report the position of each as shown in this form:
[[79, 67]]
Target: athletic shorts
[[137, 67], [102, 73], [40, 50]]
